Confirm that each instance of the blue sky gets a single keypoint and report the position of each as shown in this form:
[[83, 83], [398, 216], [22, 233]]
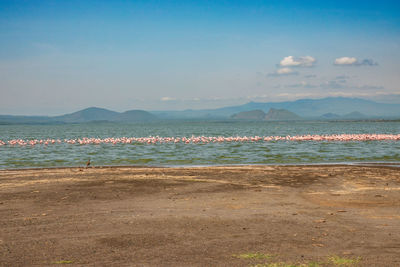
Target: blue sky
[[61, 56]]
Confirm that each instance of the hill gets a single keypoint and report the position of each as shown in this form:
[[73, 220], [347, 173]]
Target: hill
[[89, 114], [83, 116], [135, 116], [254, 115], [330, 108], [336, 105], [355, 115], [272, 115], [281, 115], [306, 108], [330, 116]]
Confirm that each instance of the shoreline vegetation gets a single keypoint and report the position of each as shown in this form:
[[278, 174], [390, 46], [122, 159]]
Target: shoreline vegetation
[[249, 215]]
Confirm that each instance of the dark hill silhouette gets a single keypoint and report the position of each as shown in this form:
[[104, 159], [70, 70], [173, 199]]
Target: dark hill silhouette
[[354, 115], [249, 115], [88, 114], [83, 116], [281, 115], [136, 116]]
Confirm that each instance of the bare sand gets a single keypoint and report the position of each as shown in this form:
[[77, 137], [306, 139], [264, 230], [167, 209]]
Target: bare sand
[[206, 216]]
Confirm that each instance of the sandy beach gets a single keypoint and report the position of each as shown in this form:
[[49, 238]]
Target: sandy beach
[[205, 216]]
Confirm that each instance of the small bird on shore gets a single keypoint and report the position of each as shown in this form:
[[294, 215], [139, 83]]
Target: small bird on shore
[[88, 163]]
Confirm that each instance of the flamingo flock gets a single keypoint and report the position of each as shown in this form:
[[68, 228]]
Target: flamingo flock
[[203, 139]]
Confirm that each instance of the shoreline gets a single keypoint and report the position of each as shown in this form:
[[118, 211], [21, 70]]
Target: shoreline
[[323, 164], [207, 216]]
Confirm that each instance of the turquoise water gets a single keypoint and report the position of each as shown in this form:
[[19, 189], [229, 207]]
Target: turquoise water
[[276, 152]]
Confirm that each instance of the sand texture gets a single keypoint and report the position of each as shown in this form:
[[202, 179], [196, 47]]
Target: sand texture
[[206, 216]]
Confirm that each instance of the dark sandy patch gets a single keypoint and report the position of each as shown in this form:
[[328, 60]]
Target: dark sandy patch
[[201, 216]]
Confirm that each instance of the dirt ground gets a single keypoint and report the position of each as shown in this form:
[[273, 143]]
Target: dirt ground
[[206, 216]]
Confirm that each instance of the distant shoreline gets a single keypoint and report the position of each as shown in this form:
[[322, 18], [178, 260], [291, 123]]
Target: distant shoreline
[[325, 164], [352, 109]]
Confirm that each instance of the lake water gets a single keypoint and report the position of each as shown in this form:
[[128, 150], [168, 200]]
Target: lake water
[[180, 154]]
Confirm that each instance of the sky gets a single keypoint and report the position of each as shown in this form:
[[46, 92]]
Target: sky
[[58, 57]]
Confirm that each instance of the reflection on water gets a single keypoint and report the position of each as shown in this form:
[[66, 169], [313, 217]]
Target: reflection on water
[[275, 152]]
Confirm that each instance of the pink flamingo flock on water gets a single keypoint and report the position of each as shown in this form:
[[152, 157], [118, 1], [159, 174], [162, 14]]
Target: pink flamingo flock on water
[[203, 139]]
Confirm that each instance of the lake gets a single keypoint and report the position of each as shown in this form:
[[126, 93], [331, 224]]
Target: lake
[[62, 154]]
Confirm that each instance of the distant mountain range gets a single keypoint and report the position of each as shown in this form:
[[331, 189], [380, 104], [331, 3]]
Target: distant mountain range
[[306, 108], [331, 108], [285, 115], [272, 115], [86, 115], [101, 114], [349, 116]]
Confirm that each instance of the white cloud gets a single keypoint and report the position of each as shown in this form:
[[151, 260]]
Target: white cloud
[[283, 72], [352, 61], [345, 61], [290, 61]]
